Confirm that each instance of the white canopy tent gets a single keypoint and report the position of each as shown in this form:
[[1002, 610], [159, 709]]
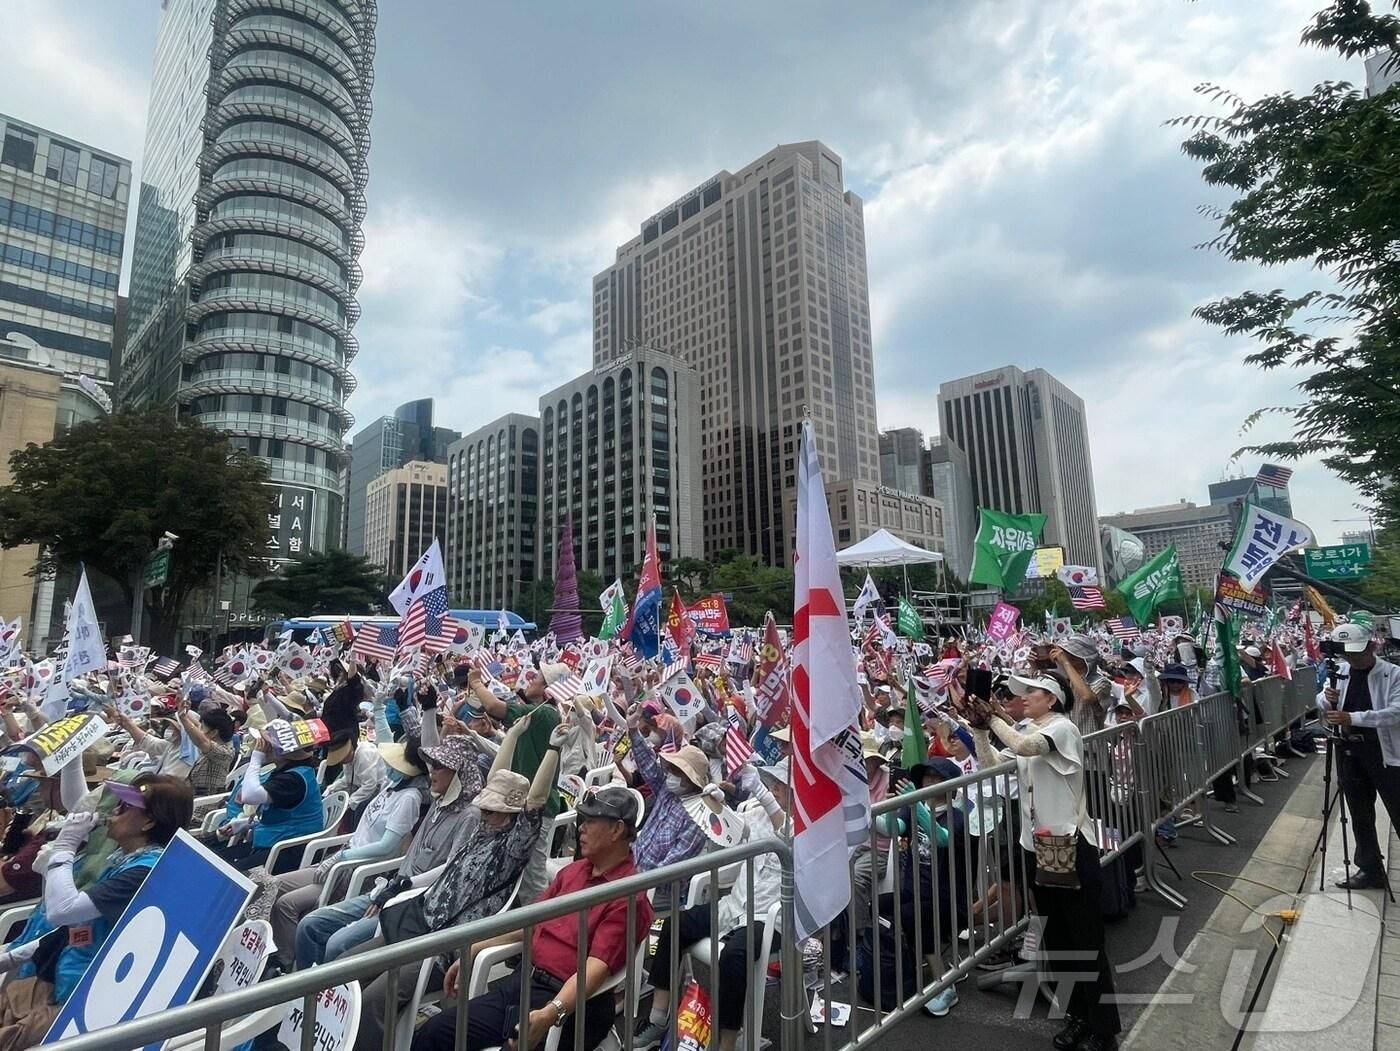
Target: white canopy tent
[[883, 548]]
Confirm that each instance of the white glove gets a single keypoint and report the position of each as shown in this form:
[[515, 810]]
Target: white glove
[[323, 870], [714, 792], [74, 833], [558, 736], [746, 777]]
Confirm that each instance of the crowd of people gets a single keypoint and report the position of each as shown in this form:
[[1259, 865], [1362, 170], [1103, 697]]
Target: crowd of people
[[454, 764]]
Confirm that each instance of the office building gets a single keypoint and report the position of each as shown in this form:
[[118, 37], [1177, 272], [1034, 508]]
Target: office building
[[62, 221], [1026, 437], [757, 278], [386, 443], [1236, 492], [1382, 70], [1358, 536], [621, 446], [949, 481], [489, 550], [38, 402], [860, 508], [244, 265], [405, 510], [903, 459], [1196, 532]]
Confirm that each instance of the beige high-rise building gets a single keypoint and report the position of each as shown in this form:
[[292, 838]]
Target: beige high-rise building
[[29, 402], [758, 279], [405, 510]]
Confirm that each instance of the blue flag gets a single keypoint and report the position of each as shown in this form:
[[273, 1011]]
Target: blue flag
[[644, 628]]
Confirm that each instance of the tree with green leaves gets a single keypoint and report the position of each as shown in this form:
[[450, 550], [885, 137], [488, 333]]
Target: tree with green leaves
[[1318, 180], [324, 582], [104, 492], [1381, 586]]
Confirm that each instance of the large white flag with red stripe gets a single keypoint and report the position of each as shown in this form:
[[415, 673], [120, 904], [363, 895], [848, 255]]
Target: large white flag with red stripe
[[831, 806]]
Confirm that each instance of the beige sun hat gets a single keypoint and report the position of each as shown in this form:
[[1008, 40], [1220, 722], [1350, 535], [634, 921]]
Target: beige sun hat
[[505, 792], [690, 761]]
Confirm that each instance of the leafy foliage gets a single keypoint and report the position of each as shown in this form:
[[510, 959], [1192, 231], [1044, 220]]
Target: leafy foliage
[[1318, 179], [104, 492], [324, 582], [1381, 588]]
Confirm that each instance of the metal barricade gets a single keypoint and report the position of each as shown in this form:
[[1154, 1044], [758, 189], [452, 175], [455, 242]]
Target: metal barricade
[[1267, 710], [1111, 758], [303, 988]]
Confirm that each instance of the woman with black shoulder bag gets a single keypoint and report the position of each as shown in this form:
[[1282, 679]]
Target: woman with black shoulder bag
[[1057, 837]]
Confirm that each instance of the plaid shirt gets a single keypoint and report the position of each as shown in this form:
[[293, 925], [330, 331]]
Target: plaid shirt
[[669, 834], [1090, 715]]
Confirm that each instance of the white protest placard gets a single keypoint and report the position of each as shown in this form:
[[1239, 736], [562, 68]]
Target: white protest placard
[[241, 955], [333, 1011], [60, 742]]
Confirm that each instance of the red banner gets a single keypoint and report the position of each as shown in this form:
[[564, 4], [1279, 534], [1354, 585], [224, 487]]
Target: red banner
[[710, 614], [679, 623]]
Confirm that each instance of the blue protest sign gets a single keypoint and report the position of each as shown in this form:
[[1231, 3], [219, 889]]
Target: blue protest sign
[[159, 952], [770, 749]]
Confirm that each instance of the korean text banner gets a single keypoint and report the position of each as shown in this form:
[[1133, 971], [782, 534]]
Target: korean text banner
[[1004, 548], [157, 955], [1261, 540], [1153, 584]]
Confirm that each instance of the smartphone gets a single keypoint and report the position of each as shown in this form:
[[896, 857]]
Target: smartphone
[[979, 683]]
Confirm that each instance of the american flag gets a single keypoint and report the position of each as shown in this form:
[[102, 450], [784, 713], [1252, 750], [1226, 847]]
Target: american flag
[[1272, 474], [710, 660], [445, 637], [670, 671], [1123, 627], [737, 749], [1085, 596], [566, 689], [423, 619], [378, 641], [165, 668]]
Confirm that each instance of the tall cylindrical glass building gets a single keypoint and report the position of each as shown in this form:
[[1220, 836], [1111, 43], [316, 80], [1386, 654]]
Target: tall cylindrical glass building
[[248, 234]]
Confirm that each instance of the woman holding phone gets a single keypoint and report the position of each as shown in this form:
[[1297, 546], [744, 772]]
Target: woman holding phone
[[1057, 838]]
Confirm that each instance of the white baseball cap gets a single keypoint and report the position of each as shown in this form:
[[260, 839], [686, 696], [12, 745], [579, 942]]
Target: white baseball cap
[[1021, 685], [1353, 637]]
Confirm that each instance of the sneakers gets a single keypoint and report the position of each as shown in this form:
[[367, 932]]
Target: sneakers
[[1075, 1030], [944, 1002], [1362, 881], [649, 1034], [997, 961]]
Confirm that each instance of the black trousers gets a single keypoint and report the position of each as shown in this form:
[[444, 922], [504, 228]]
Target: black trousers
[[1072, 944], [492, 1018], [1363, 775], [740, 946], [242, 856]]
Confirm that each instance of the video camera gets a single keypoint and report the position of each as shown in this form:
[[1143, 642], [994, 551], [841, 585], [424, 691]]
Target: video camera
[[1331, 648]]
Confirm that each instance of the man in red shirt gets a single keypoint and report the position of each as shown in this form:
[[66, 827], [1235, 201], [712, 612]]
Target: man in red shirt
[[607, 824]]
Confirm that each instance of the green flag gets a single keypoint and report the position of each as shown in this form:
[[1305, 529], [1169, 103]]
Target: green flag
[[915, 743], [909, 623], [1153, 584], [1225, 636], [1004, 548], [614, 610]]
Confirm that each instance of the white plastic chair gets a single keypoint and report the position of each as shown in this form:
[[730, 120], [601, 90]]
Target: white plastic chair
[[599, 775], [563, 821], [700, 884], [499, 954], [13, 919], [704, 952], [332, 809], [359, 874], [403, 1031]]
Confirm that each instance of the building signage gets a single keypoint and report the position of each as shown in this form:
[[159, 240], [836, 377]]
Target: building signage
[[290, 522]]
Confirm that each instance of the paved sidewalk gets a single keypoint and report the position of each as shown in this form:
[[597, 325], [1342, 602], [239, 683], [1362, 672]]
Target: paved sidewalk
[[1337, 981]]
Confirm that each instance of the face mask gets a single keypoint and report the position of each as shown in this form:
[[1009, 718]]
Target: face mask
[[675, 784], [895, 732], [393, 776]]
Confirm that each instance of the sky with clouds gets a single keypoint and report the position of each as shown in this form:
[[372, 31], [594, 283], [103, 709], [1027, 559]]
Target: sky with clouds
[[1025, 203]]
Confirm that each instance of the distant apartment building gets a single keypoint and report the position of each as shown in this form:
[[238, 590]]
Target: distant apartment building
[[860, 508], [490, 549], [1196, 533], [757, 278], [1026, 437], [621, 447], [405, 510], [62, 223]]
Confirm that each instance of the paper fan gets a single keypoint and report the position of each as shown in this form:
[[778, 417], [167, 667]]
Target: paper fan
[[724, 827]]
